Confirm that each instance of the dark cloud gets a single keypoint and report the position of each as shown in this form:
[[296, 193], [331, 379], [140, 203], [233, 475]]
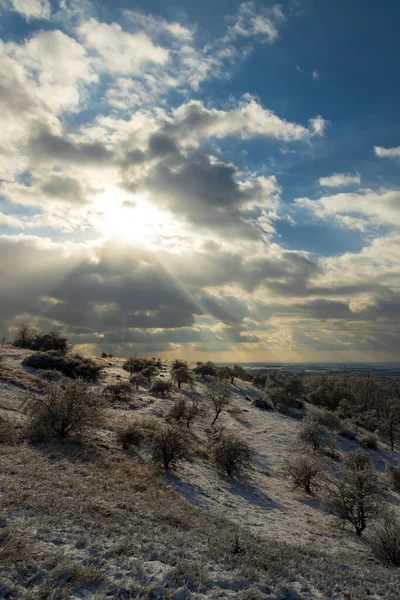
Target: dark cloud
[[57, 148]]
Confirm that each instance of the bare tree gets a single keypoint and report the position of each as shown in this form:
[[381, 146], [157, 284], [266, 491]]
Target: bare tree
[[355, 496], [219, 394], [181, 375], [25, 336], [388, 417]]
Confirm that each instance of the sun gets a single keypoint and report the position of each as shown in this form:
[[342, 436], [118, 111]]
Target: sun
[[129, 217]]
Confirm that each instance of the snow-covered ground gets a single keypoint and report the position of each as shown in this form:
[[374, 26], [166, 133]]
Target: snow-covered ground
[[88, 520]]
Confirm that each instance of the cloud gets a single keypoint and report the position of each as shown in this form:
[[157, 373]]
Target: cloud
[[380, 207], [387, 152], [56, 68], [118, 51], [340, 180], [193, 121], [30, 9], [250, 23]]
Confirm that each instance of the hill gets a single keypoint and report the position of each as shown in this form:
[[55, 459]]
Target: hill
[[85, 518]]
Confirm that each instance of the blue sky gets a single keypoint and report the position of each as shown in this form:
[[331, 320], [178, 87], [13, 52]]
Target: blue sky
[[209, 179]]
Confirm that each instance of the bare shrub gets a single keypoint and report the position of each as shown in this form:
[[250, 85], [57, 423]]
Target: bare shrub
[[357, 460], [385, 539], [67, 408], [355, 497], [219, 394], [232, 455], [304, 470], [177, 412], [312, 434], [160, 387], [49, 375], [75, 366], [184, 411], [369, 441], [326, 418], [118, 392], [393, 477], [168, 445]]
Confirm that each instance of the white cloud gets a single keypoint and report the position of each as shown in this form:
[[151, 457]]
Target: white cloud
[[252, 23], [57, 66], [249, 119], [31, 9], [387, 152], [340, 180], [381, 207], [118, 51]]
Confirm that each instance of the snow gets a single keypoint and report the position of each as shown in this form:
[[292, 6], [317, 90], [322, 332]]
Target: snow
[[125, 534]]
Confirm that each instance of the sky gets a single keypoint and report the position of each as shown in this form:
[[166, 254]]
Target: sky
[[215, 180]]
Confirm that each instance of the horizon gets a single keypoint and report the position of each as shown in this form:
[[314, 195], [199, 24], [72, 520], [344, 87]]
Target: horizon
[[212, 181]]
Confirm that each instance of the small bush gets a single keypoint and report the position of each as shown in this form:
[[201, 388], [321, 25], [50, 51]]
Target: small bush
[[177, 412], [168, 445], [304, 470], [67, 408], [393, 477], [386, 538], [132, 435], [104, 355], [369, 441], [49, 375], [75, 366], [118, 392], [160, 387], [232, 455]]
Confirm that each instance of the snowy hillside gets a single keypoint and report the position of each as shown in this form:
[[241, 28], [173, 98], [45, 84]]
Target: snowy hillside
[[87, 519]]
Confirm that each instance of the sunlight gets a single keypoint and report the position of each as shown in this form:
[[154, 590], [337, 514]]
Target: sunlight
[[129, 217]]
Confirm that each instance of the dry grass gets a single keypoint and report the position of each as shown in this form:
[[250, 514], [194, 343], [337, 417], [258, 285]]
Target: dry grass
[[83, 519], [19, 377]]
